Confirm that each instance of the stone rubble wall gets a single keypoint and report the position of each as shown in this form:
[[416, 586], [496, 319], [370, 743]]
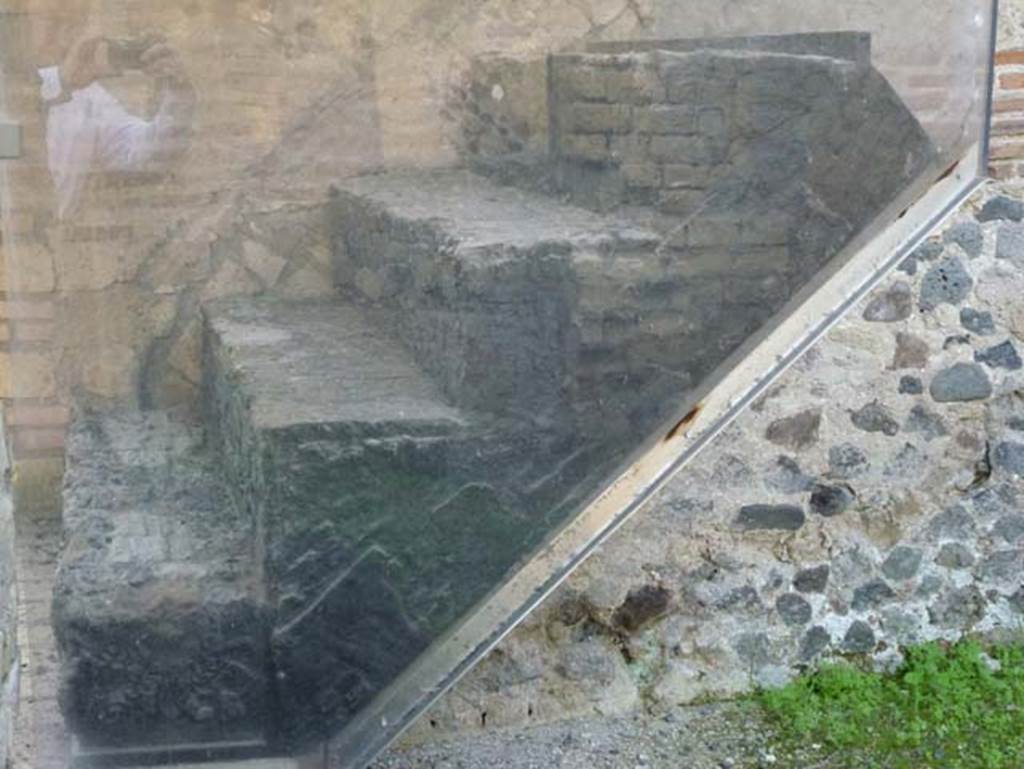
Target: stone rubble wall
[[869, 500]]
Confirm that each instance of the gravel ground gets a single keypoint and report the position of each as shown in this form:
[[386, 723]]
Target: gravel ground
[[720, 736]]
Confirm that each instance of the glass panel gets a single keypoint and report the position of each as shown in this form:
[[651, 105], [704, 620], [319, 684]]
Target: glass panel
[[343, 318]]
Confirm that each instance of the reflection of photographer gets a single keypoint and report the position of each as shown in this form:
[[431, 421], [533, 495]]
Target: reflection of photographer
[[88, 130]]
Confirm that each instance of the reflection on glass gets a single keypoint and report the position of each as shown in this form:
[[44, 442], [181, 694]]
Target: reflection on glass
[[357, 306], [87, 128]]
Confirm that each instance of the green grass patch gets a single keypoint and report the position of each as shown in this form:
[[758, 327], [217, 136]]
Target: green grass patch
[[948, 707]]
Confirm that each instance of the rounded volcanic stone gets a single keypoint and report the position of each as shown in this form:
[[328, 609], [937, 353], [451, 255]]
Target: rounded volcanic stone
[[911, 385], [872, 595], [960, 383], [1000, 356], [902, 563], [1001, 208], [874, 418], [846, 461], [860, 638], [830, 501], [967, 235], [794, 610], [771, 518], [812, 580], [890, 305], [953, 555], [815, 641], [977, 322], [948, 282], [1009, 456]]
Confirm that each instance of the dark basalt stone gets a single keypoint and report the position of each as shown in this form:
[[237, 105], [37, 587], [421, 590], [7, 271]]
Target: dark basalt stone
[[771, 518], [1002, 208], [812, 580], [859, 638], [871, 595], [794, 610], [961, 382], [1000, 356], [829, 501], [641, 606]]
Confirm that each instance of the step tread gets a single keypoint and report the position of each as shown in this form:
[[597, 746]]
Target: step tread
[[147, 521], [324, 362], [480, 215]]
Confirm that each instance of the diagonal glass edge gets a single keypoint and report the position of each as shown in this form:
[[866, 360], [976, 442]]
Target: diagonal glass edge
[[736, 383]]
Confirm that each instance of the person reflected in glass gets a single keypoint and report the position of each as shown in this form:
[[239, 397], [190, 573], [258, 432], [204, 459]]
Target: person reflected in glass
[[87, 129]]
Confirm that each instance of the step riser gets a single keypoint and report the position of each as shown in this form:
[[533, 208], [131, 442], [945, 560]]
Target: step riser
[[365, 535], [160, 622]]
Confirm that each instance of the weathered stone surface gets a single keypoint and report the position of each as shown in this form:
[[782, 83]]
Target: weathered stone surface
[[980, 323], [920, 420], [1009, 528], [902, 563], [787, 477], [928, 251], [968, 235], [771, 518], [911, 352], [872, 595], [9, 650], [812, 580], [955, 522], [641, 606], [945, 283], [753, 649], [859, 638], [814, 642], [911, 385], [875, 418], [1010, 243], [891, 304], [158, 610], [1001, 356], [370, 490], [1009, 456], [958, 608], [1002, 207], [961, 382], [797, 431], [794, 610], [829, 501], [846, 461], [455, 282], [955, 556]]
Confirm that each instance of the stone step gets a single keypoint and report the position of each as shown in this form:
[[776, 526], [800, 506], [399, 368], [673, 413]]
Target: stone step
[[518, 304], [383, 513], [159, 610]]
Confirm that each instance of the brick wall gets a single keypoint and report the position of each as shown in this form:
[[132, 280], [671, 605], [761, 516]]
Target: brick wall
[[1007, 156]]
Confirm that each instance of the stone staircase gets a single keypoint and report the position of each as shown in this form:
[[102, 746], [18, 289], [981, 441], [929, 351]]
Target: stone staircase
[[367, 468]]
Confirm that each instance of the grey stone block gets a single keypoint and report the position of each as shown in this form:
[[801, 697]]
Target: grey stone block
[[158, 610], [383, 511], [771, 518], [961, 382]]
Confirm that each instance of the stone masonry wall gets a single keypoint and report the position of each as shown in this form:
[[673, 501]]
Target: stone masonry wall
[[871, 499], [692, 131]]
